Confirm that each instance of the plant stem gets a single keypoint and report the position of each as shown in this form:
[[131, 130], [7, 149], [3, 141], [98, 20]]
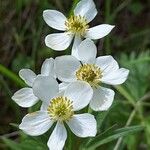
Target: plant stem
[[131, 117], [12, 76], [73, 6], [90, 110], [10, 103], [137, 108], [123, 92], [70, 140]]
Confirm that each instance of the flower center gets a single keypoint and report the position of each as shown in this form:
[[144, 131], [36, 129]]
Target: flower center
[[77, 25], [89, 73], [60, 109]]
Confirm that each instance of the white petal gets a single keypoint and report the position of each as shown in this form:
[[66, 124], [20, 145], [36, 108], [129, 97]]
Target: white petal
[[44, 106], [76, 43], [116, 77], [63, 86], [80, 93], [58, 41], [57, 138], [36, 123], [99, 31], [55, 19], [48, 67], [66, 67], [107, 64], [87, 9], [25, 97], [83, 125], [87, 51], [28, 76], [45, 88], [102, 99]]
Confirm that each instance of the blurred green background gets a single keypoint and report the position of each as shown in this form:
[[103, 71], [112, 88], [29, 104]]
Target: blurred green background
[[22, 33]]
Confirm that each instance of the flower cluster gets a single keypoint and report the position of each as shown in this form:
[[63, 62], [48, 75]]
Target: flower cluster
[[69, 83]]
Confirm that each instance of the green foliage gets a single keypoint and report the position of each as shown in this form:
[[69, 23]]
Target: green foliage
[[26, 144], [21, 62], [139, 75], [107, 137]]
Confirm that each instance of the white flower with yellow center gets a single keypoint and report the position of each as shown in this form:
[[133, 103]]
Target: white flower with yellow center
[[93, 71], [75, 27], [60, 109], [25, 97]]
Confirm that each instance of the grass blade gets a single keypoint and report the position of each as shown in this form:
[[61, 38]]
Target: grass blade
[[108, 137]]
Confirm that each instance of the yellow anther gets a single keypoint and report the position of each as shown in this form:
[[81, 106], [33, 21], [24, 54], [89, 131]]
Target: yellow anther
[[77, 25], [60, 109]]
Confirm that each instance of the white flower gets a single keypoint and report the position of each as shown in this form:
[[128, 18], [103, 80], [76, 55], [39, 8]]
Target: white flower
[[93, 71], [75, 26], [25, 97], [60, 108]]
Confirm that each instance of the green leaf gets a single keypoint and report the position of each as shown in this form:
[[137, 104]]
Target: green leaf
[[138, 76], [108, 137], [11, 144], [125, 93], [27, 143], [131, 142], [101, 117], [11, 75]]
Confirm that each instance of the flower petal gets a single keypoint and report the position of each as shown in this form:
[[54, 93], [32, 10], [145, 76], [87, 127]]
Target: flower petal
[[45, 88], [87, 51], [63, 86], [87, 9], [83, 125], [25, 97], [80, 93], [116, 77], [57, 138], [55, 19], [102, 99], [28, 76], [48, 67], [58, 41], [99, 31], [36, 123], [107, 64], [45, 104], [66, 67], [76, 43]]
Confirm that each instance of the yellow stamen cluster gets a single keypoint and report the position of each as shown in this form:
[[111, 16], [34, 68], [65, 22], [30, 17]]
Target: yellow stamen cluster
[[89, 73], [60, 109], [77, 25]]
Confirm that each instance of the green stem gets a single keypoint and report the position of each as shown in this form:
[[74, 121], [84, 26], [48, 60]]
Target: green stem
[[138, 108], [12, 76], [123, 92], [10, 103], [131, 117], [73, 6], [70, 141], [90, 110]]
